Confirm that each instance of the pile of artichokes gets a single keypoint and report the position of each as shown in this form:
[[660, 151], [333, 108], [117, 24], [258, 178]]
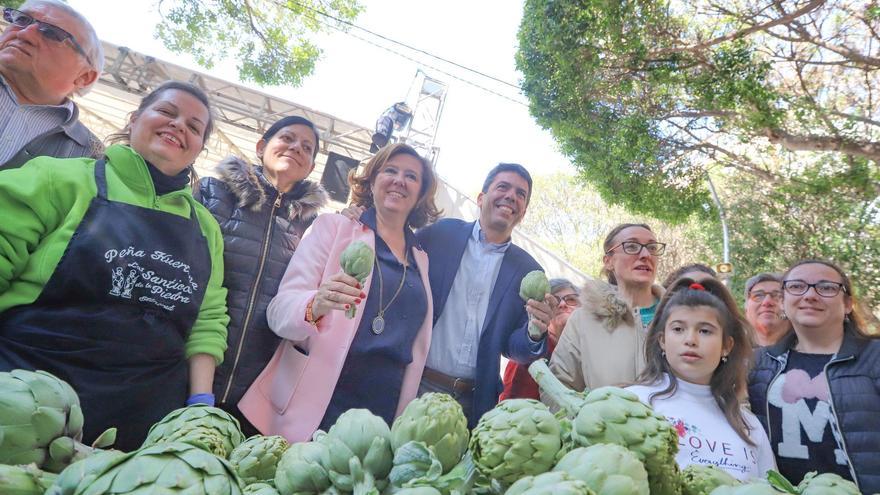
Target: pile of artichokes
[[604, 442]]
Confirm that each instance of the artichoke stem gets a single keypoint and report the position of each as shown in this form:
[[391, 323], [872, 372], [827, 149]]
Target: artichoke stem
[[564, 397]]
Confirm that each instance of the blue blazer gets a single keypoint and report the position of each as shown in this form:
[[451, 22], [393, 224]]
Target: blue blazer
[[505, 328]]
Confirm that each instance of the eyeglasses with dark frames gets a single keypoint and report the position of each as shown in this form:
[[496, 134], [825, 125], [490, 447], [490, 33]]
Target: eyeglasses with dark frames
[[49, 31], [759, 295], [824, 288], [633, 247]]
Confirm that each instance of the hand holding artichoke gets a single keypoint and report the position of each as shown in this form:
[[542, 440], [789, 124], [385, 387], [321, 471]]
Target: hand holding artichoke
[[357, 261], [534, 286]]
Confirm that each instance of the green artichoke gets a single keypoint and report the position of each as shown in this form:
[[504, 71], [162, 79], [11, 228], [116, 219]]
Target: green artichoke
[[519, 437], [701, 480], [826, 484], [608, 469], [208, 428], [24, 480], [83, 472], [40, 420], [359, 442], [614, 415], [302, 469], [167, 468], [357, 261], [256, 459], [259, 489], [414, 465], [461, 479], [534, 286], [553, 483], [439, 422]]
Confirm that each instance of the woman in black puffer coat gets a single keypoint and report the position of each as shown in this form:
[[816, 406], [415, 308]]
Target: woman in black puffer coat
[[263, 211]]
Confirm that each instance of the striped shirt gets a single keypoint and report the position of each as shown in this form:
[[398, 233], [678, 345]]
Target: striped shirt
[[20, 124]]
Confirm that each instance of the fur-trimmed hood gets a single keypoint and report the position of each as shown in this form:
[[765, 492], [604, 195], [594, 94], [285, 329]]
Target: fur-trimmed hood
[[604, 302], [251, 188]]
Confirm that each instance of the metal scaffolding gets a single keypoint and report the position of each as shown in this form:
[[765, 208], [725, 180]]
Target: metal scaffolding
[[426, 99], [243, 114]]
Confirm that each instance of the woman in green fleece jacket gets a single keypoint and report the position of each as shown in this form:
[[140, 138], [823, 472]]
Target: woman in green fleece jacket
[[111, 273]]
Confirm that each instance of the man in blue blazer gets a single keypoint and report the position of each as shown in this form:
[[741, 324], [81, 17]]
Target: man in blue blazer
[[475, 273]]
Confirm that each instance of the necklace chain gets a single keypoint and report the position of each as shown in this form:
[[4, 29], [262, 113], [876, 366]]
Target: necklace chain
[[399, 287]]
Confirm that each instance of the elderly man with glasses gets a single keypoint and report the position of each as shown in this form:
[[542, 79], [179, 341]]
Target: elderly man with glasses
[[48, 53], [764, 308]]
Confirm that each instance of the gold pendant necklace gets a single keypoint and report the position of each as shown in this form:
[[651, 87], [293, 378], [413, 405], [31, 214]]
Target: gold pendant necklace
[[378, 325]]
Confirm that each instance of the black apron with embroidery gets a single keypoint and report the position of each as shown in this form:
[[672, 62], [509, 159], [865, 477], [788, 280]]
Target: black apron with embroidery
[[115, 315]]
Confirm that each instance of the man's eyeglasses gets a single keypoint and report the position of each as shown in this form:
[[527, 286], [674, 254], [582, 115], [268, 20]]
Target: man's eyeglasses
[[758, 296], [49, 31], [633, 247], [824, 288]]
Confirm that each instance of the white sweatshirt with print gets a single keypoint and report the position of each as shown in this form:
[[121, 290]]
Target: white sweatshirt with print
[[704, 435]]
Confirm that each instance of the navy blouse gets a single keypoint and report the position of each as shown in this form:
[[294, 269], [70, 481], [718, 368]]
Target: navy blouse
[[372, 375]]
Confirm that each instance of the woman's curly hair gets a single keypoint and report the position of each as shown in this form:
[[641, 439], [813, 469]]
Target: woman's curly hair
[[424, 212]]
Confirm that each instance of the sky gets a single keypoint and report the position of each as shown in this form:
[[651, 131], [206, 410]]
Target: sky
[[356, 81]]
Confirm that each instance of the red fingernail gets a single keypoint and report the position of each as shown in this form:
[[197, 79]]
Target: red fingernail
[[362, 296], [357, 301], [357, 285], [347, 306]]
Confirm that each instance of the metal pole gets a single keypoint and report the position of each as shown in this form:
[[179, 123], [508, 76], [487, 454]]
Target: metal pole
[[723, 217]]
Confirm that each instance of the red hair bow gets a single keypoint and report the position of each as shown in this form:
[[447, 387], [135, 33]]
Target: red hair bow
[[696, 286]]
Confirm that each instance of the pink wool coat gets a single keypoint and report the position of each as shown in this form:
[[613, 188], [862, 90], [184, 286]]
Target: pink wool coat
[[290, 396]]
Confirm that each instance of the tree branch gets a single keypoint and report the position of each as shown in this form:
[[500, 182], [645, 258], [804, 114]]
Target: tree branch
[[792, 142], [840, 49], [857, 118], [785, 19]]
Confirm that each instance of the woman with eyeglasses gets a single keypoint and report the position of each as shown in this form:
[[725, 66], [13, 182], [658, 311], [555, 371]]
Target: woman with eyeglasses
[[518, 383], [817, 390], [604, 341]]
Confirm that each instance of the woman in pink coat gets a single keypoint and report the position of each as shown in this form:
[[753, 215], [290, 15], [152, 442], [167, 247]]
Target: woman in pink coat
[[328, 363]]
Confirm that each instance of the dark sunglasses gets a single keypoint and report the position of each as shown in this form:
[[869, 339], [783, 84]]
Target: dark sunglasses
[[49, 31]]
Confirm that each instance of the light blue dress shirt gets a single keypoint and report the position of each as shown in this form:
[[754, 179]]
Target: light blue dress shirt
[[456, 335]]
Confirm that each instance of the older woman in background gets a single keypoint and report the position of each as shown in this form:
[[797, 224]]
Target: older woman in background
[[518, 383]]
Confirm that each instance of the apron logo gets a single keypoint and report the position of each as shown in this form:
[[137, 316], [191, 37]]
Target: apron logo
[[122, 285], [151, 278]]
